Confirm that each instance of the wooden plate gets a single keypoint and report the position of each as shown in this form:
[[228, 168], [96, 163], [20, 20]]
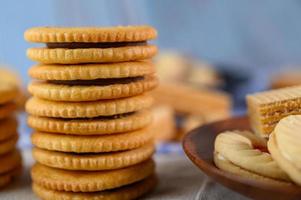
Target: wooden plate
[[199, 145]]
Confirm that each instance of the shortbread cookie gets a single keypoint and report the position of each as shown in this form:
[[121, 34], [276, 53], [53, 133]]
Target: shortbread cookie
[[8, 92], [9, 161], [285, 146], [7, 109], [132, 191], [225, 165], [90, 144], [45, 108], [92, 90], [248, 152], [8, 144], [267, 108], [90, 181], [92, 71], [97, 126], [90, 34], [91, 55], [9, 176], [8, 128], [93, 162]]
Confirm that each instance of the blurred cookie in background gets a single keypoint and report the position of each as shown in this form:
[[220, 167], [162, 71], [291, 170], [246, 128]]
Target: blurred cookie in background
[[176, 67], [164, 123], [286, 79], [9, 76], [190, 88]]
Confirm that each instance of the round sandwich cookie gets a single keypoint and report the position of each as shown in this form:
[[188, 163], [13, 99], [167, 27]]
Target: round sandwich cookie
[[284, 145], [92, 71], [225, 165], [8, 92], [8, 128], [8, 144], [7, 109], [92, 90], [132, 191], [93, 162], [249, 152], [90, 181], [90, 34], [92, 144], [10, 161], [57, 109], [9, 176], [94, 126], [91, 55]]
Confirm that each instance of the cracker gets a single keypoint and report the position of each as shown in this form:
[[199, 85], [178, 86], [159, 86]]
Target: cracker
[[92, 126], [129, 192], [8, 92], [8, 177], [90, 34], [267, 108], [9, 161], [7, 109], [246, 151], [92, 71], [89, 144], [91, 181], [91, 55], [93, 162], [45, 108], [77, 93], [8, 144], [8, 128]]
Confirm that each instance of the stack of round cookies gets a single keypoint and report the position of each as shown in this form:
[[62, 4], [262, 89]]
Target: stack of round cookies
[[10, 157], [90, 112]]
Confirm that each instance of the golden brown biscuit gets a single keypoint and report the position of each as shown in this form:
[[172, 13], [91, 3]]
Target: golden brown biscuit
[[91, 55], [92, 71], [90, 144], [92, 181], [98, 90], [10, 161], [132, 191], [93, 162], [97, 126], [8, 128], [8, 144], [90, 34], [45, 108]]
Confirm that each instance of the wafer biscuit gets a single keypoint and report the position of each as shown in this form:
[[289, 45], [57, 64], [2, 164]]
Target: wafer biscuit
[[267, 108], [92, 181], [129, 192], [92, 71], [117, 124], [45, 108], [96, 90], [90, 144]]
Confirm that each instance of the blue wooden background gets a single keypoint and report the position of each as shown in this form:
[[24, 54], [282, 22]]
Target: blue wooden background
[[260, 34]]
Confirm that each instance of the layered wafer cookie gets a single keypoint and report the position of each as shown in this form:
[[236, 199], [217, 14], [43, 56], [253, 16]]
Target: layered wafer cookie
[[267, 108], [285, 146], [244, 151]]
